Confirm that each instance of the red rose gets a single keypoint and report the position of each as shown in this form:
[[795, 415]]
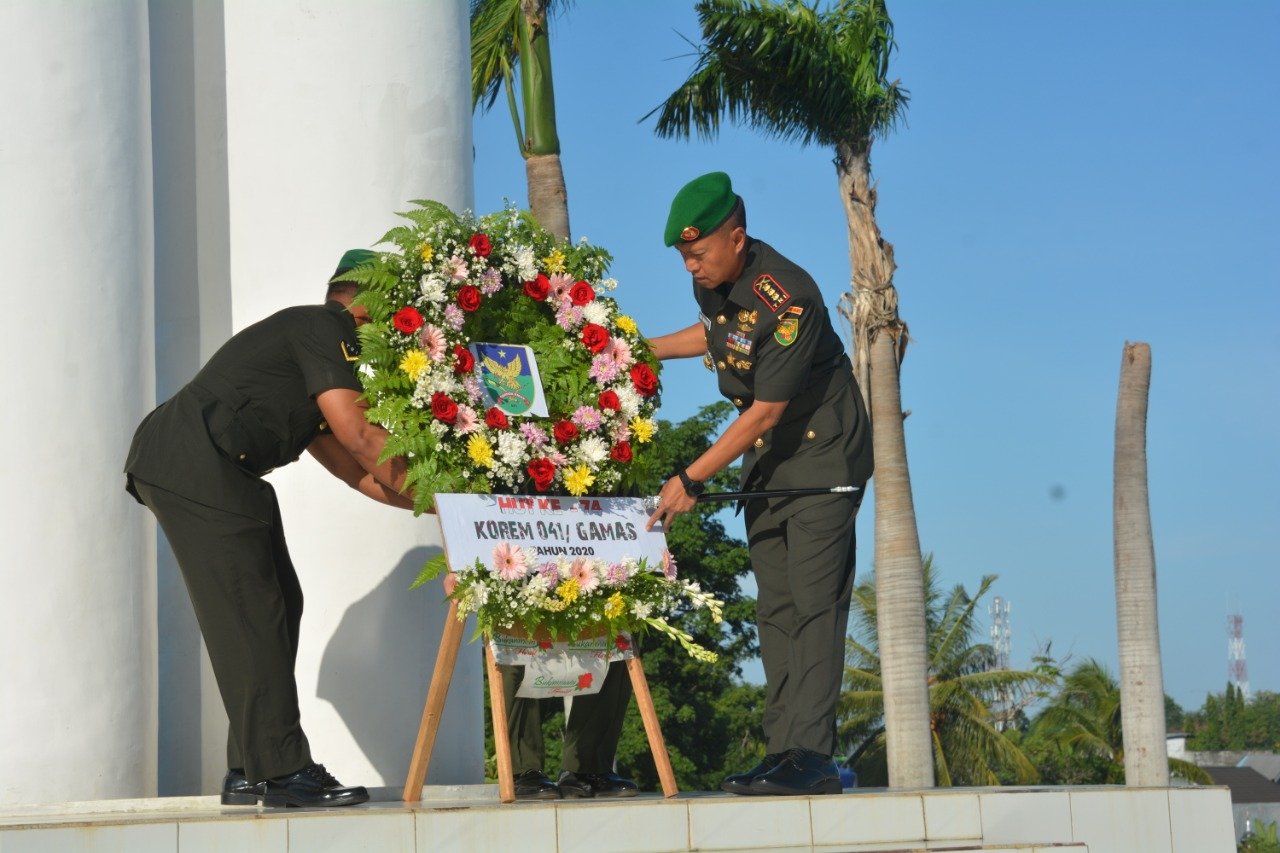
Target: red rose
[[544, 644], [479, 244], [538, 288], [407, 320], [595, 337], [609, 400], [645, 380], [622, 643], [464, 362], [543, 471], [581, 293], [495, 418], [566, 431], [621, 452], [468, 297], [584, 681], [443, 407]]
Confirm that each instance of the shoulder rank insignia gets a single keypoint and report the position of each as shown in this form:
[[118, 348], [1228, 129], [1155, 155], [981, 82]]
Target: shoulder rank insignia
[[772, 293], [351, 353], [787, 331]]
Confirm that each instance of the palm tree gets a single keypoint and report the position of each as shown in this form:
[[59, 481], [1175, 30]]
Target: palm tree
[[968, 749], [797, 73], [1142, 684], [1083, 723], [506, 34]]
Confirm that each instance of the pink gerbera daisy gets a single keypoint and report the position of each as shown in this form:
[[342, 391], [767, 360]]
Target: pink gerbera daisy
[[509, 561], [467, 421], [668, 565], [587, 418], [585, 575], [432, 340]]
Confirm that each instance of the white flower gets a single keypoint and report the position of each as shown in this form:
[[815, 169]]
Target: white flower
[[511, 447], [607, 284], [596, 312], [525, 263], [367, 369], [629, 400], [592, 450], [433, 289]]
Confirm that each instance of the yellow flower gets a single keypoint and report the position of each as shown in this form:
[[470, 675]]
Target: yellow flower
[[614, 607], [414, 362], [554, 262], [576, 480], [568, 590], [480, 450], [427, 252], [626, 324], [642, 429]]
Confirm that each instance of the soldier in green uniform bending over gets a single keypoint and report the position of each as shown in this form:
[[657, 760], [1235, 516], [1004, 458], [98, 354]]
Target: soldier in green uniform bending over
[[764, 330], [281, 386]]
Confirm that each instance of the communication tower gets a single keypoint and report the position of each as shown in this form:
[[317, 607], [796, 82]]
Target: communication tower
[[1237, 669], [1001, 632]]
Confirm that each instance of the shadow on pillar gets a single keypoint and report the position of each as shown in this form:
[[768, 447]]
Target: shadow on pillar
[[376, 669]]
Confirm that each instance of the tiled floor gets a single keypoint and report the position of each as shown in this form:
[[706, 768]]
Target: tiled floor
[[469, 818]]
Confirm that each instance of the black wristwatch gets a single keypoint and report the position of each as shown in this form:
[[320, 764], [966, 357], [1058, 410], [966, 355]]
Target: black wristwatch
[[692, 487]]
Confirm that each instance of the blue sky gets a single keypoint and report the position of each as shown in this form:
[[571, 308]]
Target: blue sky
[[1070, 177]]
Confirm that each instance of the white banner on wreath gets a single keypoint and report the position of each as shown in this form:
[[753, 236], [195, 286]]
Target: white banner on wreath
[[560, 669], [549, 527]]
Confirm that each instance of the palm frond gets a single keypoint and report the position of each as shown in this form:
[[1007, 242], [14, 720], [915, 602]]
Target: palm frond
[[789, 71]]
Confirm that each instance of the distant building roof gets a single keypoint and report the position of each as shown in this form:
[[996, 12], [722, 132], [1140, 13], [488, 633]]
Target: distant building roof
[[1247, 785], [1266, 763]]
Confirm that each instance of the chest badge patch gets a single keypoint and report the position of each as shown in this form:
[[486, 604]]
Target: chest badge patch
[[787, 331], [773, 294], [351, 353], [738, 343]]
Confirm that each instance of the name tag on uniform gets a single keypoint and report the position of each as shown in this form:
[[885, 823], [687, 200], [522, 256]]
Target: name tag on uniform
[[738, 343], [706, 321]]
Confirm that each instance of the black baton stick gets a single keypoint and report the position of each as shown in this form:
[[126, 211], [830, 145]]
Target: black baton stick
[[651, 504]]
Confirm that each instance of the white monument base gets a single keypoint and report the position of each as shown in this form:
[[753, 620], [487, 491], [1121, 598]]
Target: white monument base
[[463, 819]]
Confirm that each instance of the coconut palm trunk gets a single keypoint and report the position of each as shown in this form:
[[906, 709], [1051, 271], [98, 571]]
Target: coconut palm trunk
[[879, 340], [1146, 761], [507, 35], [548, 198]]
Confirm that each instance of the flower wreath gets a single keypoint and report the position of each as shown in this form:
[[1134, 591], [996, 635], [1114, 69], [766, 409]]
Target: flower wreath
[[457, 280]]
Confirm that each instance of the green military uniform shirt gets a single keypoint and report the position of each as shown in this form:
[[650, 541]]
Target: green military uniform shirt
[[770, 338], [252, 408]]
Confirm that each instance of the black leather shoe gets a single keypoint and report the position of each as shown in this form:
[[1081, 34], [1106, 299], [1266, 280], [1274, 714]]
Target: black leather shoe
[[536, 785], [236, 790], [740, 783], [602, 785], [800, 772], [311, 786]]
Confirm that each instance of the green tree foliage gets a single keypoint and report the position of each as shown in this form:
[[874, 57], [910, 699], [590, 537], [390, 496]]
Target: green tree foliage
[[1263, 839], [709, 718], [963, 687], [1077, 739], [1227, 721]]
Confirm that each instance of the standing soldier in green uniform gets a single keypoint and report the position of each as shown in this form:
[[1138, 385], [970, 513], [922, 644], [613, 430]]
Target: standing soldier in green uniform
[[801, 423], [281, 386]]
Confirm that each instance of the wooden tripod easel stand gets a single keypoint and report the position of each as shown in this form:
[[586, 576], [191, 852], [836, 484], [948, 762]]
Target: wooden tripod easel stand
[[446, 662]]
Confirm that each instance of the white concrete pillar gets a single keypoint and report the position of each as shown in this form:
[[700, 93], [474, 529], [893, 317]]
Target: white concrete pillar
[[77, 632], [337, 114]]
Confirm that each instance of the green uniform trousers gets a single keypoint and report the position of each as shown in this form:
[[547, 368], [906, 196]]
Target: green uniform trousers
[[248, 602], [591, 733], [802, 554]]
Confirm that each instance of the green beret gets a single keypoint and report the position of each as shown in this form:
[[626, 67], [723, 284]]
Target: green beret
[[701, 206], [354, 258]]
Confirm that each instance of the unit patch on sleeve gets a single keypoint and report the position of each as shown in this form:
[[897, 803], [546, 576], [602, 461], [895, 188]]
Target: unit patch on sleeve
[[772, 293], [787, 331]]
